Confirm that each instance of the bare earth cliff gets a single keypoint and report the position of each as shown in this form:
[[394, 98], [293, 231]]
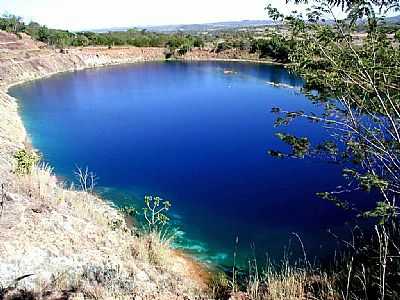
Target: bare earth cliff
[[58, 243]]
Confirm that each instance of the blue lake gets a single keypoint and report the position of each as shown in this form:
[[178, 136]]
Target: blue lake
[[195, 135]]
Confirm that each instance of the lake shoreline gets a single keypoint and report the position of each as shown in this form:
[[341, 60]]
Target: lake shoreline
[[33, 64], [17, 67]]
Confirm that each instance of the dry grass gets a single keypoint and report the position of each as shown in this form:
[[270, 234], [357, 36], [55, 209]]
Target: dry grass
[[106, 259], [285, 282], [291, 283], [79, 242], [155, 249], [285, 285], [367, 268]]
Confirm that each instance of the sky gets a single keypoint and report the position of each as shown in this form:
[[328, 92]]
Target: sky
[[95, 14]]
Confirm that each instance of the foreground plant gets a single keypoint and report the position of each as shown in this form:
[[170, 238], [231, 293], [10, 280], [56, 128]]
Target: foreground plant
[[155, 212], [356, 83], [87, 179], [26, 159]]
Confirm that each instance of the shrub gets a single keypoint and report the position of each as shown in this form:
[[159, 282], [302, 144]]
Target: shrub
[[155, 212], [26, 159], [129, 211], [276, 47], [222, 46]]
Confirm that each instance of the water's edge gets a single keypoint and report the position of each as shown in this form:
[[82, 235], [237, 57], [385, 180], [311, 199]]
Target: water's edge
[[57, 63]]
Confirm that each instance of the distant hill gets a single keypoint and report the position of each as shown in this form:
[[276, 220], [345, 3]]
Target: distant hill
[[195, 27], [229, 25], [393, 20], [210, 26]]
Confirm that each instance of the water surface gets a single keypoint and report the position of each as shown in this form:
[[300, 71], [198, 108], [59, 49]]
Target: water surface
[[193, 134]]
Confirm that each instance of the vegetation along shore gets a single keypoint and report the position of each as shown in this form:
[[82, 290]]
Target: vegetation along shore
[[60, 241], [45, 225]]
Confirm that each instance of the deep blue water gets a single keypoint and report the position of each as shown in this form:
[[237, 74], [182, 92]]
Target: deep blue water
[[194, 135]]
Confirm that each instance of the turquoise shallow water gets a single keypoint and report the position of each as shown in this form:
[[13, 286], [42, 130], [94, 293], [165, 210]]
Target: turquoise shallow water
[[197, 136]]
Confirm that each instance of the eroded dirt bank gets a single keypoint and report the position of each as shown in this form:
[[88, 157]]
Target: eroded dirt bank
[[70, 243]]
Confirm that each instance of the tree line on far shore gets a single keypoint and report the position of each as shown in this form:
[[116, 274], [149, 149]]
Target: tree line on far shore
[[269, 45], [132, 37]]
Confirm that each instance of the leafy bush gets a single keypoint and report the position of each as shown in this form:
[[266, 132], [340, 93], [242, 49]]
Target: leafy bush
[[26, 159], [276, 47], [129, 211]]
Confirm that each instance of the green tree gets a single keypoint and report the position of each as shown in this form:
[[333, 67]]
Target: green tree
[[44, 34], [198, 42], [80, 40], [12, 23], [59, 38], [275, 46], [358, 88]]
